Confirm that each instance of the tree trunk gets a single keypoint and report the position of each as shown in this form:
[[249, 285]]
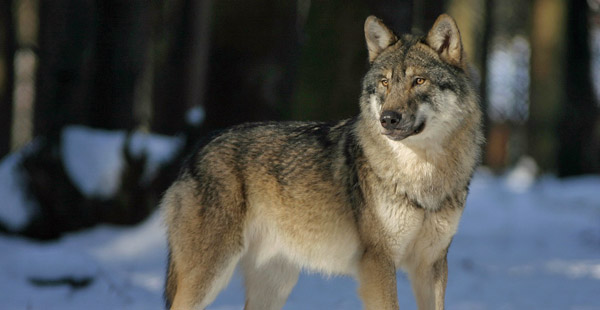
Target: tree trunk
[[547, 81], [180, 79], [121, 40], [484, 44], [397, 14], [252, 61], [7, 53], [578, 117], [65, 63], [494, 160], [425, 12]]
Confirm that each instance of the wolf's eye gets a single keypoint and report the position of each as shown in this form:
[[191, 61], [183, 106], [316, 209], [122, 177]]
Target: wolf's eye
[[419, 81], [385, 83]]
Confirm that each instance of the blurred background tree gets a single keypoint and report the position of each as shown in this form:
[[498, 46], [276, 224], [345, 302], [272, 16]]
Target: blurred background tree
[[143, 65], [7, 72], [548, 81], [579, 118]]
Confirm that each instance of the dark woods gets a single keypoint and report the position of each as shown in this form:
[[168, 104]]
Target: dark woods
[[139, 65]]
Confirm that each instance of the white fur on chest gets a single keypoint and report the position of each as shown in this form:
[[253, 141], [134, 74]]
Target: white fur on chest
[[420, 225], [415, 235], [419, 178], [400, 224]]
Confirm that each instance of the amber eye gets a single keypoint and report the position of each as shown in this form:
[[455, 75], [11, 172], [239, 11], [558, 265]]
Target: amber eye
[[419, 81], [385, 83]]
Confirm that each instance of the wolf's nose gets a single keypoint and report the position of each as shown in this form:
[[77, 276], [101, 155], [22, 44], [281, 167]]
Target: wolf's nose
[[390, 119]]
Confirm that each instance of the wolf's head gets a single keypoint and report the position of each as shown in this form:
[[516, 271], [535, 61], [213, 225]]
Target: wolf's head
[[417, 90]]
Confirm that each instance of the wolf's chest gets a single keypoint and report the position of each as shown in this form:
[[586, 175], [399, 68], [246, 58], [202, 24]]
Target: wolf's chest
[[400, 223], [411, 231], [422, 182]]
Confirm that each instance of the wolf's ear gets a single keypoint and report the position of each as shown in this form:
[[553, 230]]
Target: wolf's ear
[[444, 38], [378, 36]]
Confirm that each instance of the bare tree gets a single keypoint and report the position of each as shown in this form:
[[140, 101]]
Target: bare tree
[[579, 113], [181, 66], [425, 12], [7, 53], [121, 40], [64, 72], [547, 80], [398, 14], [252, 64]]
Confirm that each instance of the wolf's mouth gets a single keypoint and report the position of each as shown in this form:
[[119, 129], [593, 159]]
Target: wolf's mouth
[[419, 129], [401, 134]]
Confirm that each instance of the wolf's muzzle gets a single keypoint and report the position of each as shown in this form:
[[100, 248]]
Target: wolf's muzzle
[[398, 127], [390, 120]]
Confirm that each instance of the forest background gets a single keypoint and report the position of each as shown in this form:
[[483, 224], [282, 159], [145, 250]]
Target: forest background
[[183, 68]]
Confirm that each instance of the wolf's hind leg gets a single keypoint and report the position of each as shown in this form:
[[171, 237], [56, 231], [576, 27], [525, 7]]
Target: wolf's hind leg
[[268, 284], [206, 243], [200, 286]]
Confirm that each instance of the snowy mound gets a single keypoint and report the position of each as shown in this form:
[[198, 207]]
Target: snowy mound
[[93, 159], [15, 208]]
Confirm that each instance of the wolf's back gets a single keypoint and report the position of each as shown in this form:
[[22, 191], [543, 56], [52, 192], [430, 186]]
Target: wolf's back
[[288, 152]]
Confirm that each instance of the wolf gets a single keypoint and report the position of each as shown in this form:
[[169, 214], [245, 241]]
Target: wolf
[[363, 197]]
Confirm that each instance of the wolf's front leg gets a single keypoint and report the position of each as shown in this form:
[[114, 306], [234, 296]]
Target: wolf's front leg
[[429, 284], [377, 281]]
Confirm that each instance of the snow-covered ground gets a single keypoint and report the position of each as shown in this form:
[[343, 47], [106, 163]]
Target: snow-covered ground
[[522, 244]]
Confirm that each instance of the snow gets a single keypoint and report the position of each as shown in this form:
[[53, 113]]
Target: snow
[[195, 116], [125, 265], [508, 71], [94, 159], [15, 208], [523, 243], [523, 176]]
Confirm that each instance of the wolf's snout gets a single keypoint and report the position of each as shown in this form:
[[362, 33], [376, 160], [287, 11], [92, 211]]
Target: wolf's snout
[[390, 120]]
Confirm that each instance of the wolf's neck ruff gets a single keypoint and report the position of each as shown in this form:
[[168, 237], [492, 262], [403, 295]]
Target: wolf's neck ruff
[[425, 175]]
